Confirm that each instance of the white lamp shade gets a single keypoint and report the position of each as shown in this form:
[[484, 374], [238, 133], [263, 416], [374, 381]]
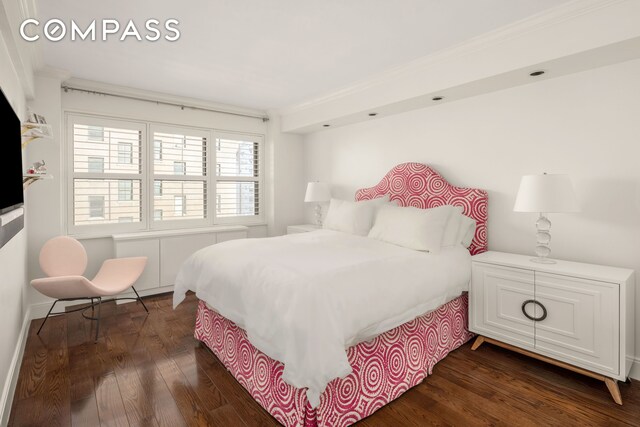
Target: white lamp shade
[[546, 193], [317, 192]]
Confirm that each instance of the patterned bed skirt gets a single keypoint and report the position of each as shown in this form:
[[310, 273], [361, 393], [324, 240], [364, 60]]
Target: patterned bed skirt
[[383, 368]]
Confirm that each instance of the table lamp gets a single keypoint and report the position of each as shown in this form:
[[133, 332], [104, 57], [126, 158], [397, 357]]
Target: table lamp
[[544, 194], [317, 192]]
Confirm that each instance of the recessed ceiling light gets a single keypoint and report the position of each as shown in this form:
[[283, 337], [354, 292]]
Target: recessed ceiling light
[[536, 73], [437, 98], [373, 114], [326, 126]]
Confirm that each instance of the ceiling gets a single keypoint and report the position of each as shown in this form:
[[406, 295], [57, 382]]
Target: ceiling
[[269, 54]]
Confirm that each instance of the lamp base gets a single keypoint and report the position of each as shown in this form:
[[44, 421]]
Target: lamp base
[[541, 260], [318, 214]]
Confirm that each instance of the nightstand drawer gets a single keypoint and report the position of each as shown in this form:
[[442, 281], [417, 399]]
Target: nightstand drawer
[[582, 321], [497, 295]]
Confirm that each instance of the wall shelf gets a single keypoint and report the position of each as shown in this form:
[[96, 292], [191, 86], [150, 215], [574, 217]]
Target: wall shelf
[[29, 179], [32, 131]]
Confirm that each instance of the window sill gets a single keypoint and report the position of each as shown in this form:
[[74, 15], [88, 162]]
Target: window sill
[[137, 235], [180, 232]]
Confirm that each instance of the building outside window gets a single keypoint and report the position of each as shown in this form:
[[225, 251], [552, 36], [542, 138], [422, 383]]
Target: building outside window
[[125, 191], [96, 206], [125, 153], [157, 149], [180, 205], [95, 164]]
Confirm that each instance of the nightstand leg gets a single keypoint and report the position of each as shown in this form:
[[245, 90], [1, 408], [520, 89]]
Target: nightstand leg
[[478, 342], [612, 385]]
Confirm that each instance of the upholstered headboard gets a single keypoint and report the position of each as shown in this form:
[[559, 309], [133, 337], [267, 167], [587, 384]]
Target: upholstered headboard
[[418, 185]]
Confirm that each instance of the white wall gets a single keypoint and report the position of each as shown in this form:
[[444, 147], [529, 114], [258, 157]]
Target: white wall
[[585, 124], [288, 177], [12, 257], [44, 201]]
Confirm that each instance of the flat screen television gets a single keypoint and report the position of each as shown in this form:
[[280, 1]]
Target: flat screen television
[[11, 193]]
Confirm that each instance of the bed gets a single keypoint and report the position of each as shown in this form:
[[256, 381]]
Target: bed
[[339, 365]]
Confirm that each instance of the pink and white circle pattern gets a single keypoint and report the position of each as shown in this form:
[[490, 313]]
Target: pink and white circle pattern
[[383, 368]]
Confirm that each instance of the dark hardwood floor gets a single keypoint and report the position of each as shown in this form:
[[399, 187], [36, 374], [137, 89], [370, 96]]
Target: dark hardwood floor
[[150, 371]]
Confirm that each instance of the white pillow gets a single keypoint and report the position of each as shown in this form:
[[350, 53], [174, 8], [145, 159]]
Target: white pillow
[[466, 231], [377, 202], [351, 217], [413, 228], [451, 229]]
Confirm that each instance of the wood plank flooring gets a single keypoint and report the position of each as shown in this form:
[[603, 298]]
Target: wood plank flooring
[[150, 371]]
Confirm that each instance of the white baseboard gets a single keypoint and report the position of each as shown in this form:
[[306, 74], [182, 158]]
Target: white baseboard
[[144, 293], [9, 388], [635, 369]]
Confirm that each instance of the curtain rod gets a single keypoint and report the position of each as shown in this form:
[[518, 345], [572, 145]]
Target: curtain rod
[[67, 88]]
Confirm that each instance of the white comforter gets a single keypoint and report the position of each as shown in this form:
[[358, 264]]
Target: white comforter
[[304, 298]]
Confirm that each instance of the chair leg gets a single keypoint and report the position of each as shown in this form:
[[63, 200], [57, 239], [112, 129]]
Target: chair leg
[[140, 299], [45, 319], [98, 318]]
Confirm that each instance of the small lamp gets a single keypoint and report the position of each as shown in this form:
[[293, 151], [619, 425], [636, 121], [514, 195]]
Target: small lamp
[[543, 194], [317, 192]]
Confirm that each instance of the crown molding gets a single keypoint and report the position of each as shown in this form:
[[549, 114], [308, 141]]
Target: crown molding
[[548, 18], [53, 73], [148, 95]]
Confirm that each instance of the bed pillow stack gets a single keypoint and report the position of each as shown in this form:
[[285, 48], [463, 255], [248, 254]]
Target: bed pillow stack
[[423, 229], [413, 228], [353, 217]]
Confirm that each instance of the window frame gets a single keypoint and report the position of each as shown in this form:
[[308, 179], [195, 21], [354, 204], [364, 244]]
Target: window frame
[[147, 176], [180, 223], [260, 179], [115, 227]]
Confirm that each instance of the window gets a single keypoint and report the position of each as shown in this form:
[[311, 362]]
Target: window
[[95, 164], [127, 175], [95, 133], [239, 177], [179, 168], [180, 177], [125, 153], [102, 190], [157, 149], [125, 191], [96, 207], [179, 205]]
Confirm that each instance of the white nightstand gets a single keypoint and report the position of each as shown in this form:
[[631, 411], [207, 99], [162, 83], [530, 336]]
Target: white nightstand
[[574, 315], [303, 228]]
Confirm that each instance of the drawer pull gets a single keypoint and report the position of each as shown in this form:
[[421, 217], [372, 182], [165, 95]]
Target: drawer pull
[[535, 319]]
